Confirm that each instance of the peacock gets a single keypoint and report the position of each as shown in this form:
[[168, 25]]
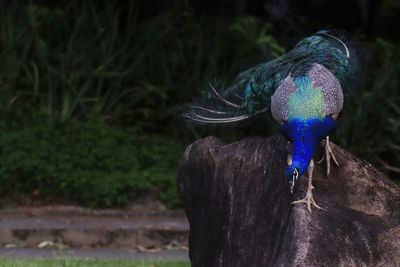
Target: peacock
[[302, 90]]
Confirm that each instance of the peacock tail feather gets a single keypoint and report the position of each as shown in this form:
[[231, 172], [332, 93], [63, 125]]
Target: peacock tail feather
[[250, 93]]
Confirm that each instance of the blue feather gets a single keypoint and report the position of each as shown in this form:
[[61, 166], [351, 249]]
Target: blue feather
[[304, 135]]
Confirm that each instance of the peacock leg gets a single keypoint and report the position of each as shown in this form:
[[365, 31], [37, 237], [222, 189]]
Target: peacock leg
[[289, 155], [309, 200], [289, 161], [327, 155]]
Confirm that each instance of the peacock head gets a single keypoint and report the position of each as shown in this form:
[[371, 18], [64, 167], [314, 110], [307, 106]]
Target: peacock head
[[292, 174]]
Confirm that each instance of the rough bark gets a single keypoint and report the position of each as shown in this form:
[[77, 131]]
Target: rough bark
[[237, 201]]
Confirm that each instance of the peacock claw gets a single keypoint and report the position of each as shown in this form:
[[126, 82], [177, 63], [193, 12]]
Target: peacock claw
[[327, 155], [309, 200]]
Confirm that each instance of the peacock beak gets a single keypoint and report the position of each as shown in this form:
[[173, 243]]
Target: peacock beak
[[294, 179]]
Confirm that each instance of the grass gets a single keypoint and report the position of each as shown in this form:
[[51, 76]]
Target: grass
[[72, 262]]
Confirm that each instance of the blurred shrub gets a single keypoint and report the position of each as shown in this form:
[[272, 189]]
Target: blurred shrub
[[90, 163], [371, 125], [95, 58]]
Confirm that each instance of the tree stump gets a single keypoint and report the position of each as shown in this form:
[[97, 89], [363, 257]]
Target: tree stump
[[237, 201]]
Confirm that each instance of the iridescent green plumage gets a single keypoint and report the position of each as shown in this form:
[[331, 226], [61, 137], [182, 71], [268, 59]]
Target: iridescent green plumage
[[250, 93], [307, 102]]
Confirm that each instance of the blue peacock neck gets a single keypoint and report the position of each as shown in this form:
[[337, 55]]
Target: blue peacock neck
[[304, 135]]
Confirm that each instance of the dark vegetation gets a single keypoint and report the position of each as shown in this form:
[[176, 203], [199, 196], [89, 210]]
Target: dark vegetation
[[90, 90]]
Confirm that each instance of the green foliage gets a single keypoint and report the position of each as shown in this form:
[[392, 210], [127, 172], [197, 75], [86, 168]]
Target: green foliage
[[99, 64], [90, 162], [102, 61], [257, 35], [371, 125], [69, 64]]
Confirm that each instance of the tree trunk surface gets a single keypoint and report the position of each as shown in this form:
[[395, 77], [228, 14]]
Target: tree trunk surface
[[238, 204]]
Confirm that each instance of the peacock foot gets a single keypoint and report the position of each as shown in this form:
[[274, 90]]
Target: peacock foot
[[328, 154], [309, 200]]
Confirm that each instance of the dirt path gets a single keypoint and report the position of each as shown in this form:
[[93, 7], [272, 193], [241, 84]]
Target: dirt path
[[93, 253], [76, 231]]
